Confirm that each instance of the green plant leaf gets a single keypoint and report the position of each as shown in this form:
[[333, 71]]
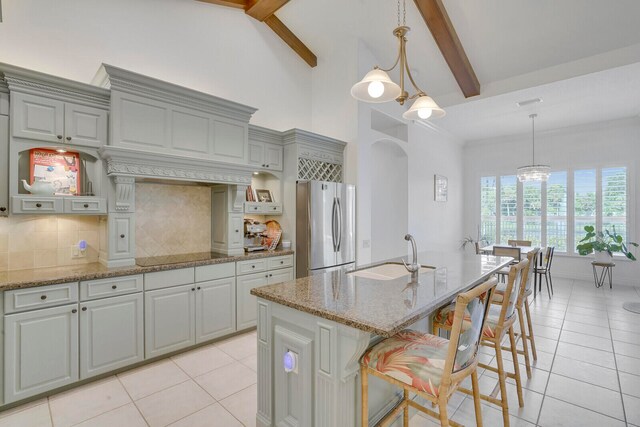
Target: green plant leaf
[[589, 228]]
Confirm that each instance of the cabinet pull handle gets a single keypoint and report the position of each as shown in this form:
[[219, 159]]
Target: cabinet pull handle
[[84, 308], [86, 205], [68, 138], [59, 136], [122, 236], [38, 205], [74, 311], [43, 297], [114, 287]]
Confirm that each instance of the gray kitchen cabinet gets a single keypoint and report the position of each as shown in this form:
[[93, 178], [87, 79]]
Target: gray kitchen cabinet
[[169, 319], [265, 155], [236, 231], [246, 303], [41, 351], [279, 276], [215, 308], [121, 236], [111, 334], [50, 120], [4, 164]]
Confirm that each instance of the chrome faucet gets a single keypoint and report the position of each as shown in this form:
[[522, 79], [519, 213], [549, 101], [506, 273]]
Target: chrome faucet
[[414, 266]]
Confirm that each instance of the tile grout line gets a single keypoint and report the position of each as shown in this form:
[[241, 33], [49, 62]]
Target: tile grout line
[[615, 361], [132, 401]]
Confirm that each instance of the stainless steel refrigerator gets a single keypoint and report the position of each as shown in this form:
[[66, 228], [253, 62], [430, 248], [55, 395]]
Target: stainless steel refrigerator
[[325, 226]]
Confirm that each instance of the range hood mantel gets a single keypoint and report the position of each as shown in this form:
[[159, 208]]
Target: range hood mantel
[[143, 164]]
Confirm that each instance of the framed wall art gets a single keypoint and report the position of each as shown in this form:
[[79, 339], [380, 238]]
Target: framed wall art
[[441, 188]]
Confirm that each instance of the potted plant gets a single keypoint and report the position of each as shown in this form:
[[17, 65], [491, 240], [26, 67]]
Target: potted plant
[[604, 244]]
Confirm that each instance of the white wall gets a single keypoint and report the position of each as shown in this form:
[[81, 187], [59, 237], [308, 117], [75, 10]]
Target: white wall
[[214, 49], [614, 143]]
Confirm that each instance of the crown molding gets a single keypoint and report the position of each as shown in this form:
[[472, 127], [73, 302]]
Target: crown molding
[[258, 133]]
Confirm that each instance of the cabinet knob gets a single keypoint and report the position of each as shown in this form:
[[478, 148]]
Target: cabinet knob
[[43, 297], [3, 209], [281, 262], [59, 136], [271, 275], [193, 289], [74, 311], [114, 287], [266, 275], [84, 308], [264, 166], [68, 138], [38, 205], [237, 231], [199, 288], [253, 266], [122, 236], [274, 208], [86, 205]]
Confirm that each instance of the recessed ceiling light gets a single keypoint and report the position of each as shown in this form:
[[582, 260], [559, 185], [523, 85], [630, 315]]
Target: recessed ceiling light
[[256, 173], [61, 150], [529, 102]]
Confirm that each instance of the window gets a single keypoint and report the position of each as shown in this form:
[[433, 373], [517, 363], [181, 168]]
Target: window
[[488, 208], [532, 212], [614, 200], [584, 201], [508, 208], [557, 211]]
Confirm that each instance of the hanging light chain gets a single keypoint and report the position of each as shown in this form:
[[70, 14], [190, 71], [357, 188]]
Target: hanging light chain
[[404, 12], [533, 138]]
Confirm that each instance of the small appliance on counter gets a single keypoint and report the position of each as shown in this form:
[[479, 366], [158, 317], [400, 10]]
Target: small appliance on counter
[[254, 232]]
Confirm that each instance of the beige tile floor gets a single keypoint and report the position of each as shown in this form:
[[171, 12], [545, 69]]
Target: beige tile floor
[[587, 374]]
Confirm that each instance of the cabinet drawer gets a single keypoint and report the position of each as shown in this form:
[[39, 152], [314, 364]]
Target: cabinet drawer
[[36, 205], [85, 205], [112, 286], [251, 266], [272, 208], [168, 278], [253, 207], [215, 271], [280, 262], [40, 297]]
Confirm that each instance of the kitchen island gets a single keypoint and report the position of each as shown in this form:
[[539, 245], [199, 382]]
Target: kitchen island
[[313, 331]]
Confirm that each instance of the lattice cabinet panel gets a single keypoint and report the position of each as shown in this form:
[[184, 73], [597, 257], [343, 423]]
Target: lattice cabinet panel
[[317, 170]]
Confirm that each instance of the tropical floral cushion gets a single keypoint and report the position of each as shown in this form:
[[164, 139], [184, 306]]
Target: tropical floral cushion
[[415, 358], [444, 317]]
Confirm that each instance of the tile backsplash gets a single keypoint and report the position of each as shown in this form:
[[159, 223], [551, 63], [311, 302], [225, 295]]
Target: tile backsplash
[[47, 240], [172, 219]]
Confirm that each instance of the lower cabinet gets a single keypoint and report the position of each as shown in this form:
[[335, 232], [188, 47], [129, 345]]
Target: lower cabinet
[[111, 334], [215, 309], [247, 303], [169, 319], [41, 351]]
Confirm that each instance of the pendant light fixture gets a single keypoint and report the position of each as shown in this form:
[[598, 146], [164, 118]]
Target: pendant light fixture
[[377, 86], [533, 172]]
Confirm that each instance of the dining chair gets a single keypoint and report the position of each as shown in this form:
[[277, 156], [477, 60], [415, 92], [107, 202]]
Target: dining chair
[[519, 242], [499, 324], [428, 365], [509, 251], [544, 270], [479, 245]]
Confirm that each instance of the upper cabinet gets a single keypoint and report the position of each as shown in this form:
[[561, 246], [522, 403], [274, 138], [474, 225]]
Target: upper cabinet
[[159, 117], [265, 148]]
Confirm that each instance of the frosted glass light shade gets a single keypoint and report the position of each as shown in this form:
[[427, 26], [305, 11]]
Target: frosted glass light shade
[[371, 84], [534, 173], [423, 108]]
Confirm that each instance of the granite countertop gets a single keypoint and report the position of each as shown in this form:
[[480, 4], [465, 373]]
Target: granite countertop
[[384, 307], [49, 276]]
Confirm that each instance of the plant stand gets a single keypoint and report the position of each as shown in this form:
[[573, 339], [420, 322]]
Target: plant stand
[[607, 270]]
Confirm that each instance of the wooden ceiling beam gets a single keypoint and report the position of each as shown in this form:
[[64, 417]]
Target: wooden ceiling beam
[[238, 4], [262, 9], [437, 19], [289, 38]]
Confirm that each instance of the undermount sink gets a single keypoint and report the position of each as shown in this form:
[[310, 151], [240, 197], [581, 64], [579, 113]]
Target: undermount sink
[[387, 271]]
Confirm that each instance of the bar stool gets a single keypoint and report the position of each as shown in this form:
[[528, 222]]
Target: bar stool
[[509, 251], [499, 324], [545, 270], [522, 306], [519, 242], [431, 366]]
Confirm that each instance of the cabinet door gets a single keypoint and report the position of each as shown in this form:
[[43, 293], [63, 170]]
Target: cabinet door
[[215, 308], [36, 117], [41, 351], [4, 165], [121, 238], [236, 231], [85, 125], [279, 276], [273, 156], [111, 334], [169, 320], [256, 154], [246, 303], [230, 143]]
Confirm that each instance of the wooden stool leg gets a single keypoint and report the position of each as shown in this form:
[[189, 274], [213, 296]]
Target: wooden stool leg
[[531, 337], [405, 415], [442, 408], [476, 398], [365, 396], [516, 366], [525, 344], [503, 386]]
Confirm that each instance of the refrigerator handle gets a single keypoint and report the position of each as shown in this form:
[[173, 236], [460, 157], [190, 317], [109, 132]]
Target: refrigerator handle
[[339, 239], [333, 225]]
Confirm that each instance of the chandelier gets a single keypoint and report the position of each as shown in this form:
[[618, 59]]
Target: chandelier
[[533, 172], [377, 86]]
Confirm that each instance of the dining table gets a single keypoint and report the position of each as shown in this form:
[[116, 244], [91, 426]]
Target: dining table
[[524, 250]]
